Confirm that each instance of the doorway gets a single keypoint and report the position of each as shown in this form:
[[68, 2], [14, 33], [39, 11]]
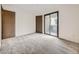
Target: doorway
[[39, 24], [51, 23]]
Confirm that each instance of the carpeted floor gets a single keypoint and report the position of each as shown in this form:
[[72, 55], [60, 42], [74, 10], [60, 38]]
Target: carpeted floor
[[36, 44]]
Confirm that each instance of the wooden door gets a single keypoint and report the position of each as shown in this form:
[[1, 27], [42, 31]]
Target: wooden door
[[39, 24], [8, 24]]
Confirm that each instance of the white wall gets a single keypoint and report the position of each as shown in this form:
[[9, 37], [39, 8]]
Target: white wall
[[68, 21], [0, 25], [25, 21]]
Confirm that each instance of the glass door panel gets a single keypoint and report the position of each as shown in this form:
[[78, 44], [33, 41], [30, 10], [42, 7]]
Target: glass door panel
[[53, 24], [47, 23]]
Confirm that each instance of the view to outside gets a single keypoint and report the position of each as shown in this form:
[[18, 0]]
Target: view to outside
[[51, 24]]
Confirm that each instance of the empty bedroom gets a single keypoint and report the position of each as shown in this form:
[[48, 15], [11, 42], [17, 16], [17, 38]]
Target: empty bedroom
[[39, 28]]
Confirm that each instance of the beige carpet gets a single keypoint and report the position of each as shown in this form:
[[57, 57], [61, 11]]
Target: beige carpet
[[35, 44]]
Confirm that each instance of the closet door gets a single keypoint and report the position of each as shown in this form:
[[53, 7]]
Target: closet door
[[8, 24]]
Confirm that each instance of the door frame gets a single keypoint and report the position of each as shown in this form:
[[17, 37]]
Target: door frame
[[57, 23]]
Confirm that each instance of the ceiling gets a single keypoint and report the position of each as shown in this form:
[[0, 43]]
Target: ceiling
[[34, 8]]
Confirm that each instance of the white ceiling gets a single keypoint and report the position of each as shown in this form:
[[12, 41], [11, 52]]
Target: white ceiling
[[34, 8], [37, 8]]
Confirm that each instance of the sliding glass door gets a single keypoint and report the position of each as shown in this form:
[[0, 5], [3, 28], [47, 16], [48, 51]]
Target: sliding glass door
[[47, 24], [51, 23]]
